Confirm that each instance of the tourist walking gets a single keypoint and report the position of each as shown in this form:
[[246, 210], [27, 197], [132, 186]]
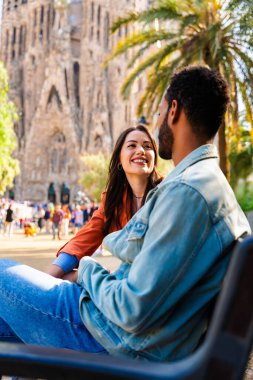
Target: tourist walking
[[2, 217], [78, 218], [47, 218], [65, 220], [57, 221], [9, 221], [39, 216]]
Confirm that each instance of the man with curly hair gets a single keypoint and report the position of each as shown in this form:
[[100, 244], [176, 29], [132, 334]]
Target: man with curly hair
[[156, 305]]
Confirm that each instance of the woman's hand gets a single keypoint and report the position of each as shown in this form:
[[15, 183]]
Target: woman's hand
[[56, 271], [71, 276]]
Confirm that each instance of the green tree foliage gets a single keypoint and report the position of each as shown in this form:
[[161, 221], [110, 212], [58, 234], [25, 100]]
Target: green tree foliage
[[244, 194], [164, 167], [241, 176], [173, 34], [9, 166], [95, 174]]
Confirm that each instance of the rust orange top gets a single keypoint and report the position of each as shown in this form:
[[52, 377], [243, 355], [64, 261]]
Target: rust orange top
[[90, 237]]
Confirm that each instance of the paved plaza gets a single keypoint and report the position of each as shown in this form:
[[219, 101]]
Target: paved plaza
[[39, 251]]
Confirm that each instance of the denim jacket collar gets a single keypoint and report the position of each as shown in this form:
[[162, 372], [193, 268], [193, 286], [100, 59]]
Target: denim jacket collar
[[201, 153]]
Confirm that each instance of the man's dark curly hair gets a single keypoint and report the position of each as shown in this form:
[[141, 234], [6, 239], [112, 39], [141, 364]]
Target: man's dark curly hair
[[203, 95]]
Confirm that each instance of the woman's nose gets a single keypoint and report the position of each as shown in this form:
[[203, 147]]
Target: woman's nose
[[140, 149]]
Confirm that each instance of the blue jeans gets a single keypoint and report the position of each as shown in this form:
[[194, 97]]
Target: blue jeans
[[37, 308]]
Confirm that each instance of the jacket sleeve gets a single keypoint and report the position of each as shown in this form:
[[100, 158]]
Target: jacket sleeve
[[90, 237], [178, 225]]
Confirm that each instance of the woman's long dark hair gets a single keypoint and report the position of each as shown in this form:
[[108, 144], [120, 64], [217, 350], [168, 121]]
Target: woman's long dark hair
[[117, 183]]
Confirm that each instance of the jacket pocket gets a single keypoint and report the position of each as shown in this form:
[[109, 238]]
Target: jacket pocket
[[136, 233], [137, 230]]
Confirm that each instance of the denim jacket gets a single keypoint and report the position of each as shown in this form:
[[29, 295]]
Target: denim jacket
[[155, 306]]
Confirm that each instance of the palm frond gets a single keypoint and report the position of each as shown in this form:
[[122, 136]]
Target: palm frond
[[158, 80], [247, 103], [158, 56], [130, 17], [166, 10], [148, 37], [163, 37]]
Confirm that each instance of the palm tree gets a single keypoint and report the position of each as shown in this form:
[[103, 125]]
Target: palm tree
[[172, 34]]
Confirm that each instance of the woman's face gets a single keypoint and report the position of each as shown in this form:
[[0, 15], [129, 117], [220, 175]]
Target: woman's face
[[137, 154]]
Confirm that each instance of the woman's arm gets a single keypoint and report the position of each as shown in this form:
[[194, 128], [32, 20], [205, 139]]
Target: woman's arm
[[63, 264], [84, 243]]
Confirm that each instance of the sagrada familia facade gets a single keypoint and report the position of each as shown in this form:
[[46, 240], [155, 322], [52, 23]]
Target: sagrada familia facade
[[67, 102]]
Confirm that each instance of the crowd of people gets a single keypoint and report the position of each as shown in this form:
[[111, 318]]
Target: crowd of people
[[60, 220]]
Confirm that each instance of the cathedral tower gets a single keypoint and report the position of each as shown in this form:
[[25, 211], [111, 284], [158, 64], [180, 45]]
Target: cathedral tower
[[67, 103]]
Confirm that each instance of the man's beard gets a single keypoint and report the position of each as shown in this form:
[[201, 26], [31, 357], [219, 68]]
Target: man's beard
[[166, 139]]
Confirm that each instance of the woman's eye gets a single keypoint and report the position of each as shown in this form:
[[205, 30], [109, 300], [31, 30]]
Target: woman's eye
[[148, 147], [131, 146]]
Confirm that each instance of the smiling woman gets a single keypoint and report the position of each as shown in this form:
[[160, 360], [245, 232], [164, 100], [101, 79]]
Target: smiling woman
[[137, 159], [132, 173]]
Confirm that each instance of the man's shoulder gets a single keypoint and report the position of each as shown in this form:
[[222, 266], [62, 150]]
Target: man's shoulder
[[204, 179]]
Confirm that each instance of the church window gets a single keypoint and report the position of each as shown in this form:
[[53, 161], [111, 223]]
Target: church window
[[34, 27], [58, 138], [41, 14], [99, 15], [54, 96], [92, 11], [66, 83], [41, 23], [6, 45], [91, 32], [24, 38], [13, 54], [14, 36], [58, 153], [106, 30], [8, 5], [16, 4], [53, 18], [35, 17], [24, 2], [48, 22], [98, 23], [76, 75], [20, 40], [98, 141]]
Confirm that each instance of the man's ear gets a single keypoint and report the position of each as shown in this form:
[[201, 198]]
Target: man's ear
[[174, 112]]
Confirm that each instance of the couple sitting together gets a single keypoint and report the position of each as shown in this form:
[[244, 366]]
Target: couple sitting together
[[169, 235]]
